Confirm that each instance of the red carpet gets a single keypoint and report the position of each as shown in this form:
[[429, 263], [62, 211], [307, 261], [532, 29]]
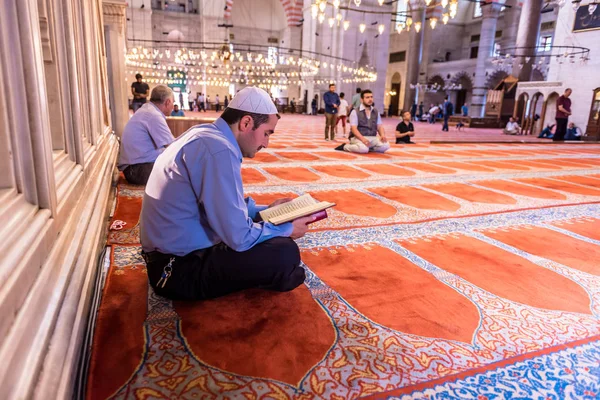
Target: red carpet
[[454, 270]]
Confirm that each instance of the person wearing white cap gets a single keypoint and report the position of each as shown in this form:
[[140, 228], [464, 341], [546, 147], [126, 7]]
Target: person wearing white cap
[[200, 238]]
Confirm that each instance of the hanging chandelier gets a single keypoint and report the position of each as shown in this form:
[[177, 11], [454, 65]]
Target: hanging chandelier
[[219, 64], [321, 8]]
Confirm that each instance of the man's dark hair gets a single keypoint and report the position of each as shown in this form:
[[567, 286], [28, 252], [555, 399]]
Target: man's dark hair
[[138, 76], [366, 91], [331, 84], [358, 90], [342, 95], [233, 116]]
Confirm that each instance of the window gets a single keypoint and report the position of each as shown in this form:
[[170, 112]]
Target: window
[[477, 11], [498, 34], [475, 38], [398, 56], [546, 26], [545, 43], [474, 52], [496, 49], [401, 10]]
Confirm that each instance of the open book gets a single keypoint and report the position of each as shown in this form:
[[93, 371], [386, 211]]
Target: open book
[[300, 207]]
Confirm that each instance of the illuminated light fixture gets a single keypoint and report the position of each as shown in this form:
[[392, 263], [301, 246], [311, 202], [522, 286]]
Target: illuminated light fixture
[[445, 18], [409, 22], [321, 18], [331, 21], [322, 6], [433, 23], [314, 9], [338, 17], [444, 3], [428, 2], [452, 14], [346, 25], [357, 2], [362, 27], [381, 2], [381, 28], [417, 27], [336, 3]]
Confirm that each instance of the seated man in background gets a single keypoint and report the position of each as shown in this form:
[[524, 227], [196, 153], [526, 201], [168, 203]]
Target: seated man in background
[[200, 238], [146, 135], [546, 132], [366, 131], [512, 127], [433, 112], [177, 112], [573, 132], [405, 129]]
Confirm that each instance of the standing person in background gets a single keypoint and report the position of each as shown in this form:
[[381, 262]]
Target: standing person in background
[[332, 103], [465, 110], [217, 103], [342, 114], [190, 100], [563, 110], [139, 90], [181, 100], [413, 112], [356, 100], [293, 105], [421, 110], [207, 102], [448, 110], [200, 103], [226, 101], [313, 104]]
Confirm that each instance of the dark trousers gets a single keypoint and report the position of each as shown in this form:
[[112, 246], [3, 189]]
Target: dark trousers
[[218, 270], [191, 104], [138, 174], [201, 107], [445, 127], [561, 129]]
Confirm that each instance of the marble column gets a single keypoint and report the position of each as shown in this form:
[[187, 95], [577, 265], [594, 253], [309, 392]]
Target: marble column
[[415, 52], [486, 46], [527, 36], [114, 32]]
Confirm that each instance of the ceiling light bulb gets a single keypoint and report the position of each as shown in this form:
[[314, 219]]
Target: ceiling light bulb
[[346, 25], [417, 27], [452, 14], [427, 2], [381, 28], [433, 23], [322, 6], [409, 21], [338, 17], [444, 3], [362, 27], [314, 9], [321, 18], [381, 2], [445, 18], [357, 2], [336, 3], [331, 22]]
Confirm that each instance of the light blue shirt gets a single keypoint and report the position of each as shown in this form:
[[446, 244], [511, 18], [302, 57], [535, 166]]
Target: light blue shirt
[[354, 116], [144, 137], [194, 197], [178, 113]]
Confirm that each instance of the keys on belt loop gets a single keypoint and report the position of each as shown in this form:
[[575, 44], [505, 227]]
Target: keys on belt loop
[[166, 273]]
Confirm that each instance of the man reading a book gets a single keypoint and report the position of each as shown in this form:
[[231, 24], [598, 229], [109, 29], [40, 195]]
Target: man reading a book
[[200, 238]]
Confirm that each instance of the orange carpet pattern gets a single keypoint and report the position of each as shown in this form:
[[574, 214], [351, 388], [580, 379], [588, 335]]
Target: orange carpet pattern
[[455, 270]]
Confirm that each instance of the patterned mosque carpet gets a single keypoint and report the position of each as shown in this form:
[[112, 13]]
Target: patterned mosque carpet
[[454, 271]]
